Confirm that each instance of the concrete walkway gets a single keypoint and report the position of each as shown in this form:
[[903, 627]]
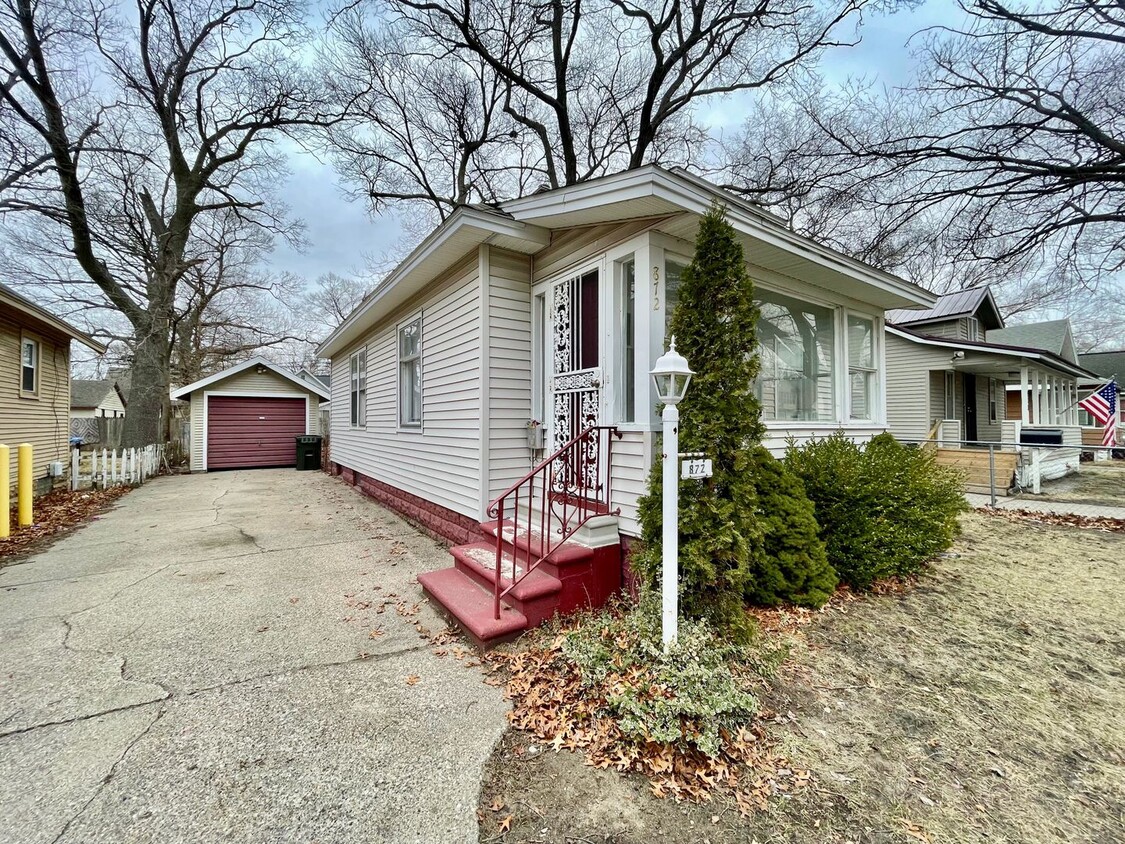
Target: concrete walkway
[[1039, 506], [220, 658]]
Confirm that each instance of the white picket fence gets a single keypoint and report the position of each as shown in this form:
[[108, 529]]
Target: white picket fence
[[110, 467]]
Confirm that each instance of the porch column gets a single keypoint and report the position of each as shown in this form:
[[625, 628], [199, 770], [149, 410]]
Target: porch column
[[648, 346], [1050, 399], [1035, 414], [1023, 395]]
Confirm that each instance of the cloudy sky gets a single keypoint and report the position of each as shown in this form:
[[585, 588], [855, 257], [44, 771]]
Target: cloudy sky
[[341, 233]]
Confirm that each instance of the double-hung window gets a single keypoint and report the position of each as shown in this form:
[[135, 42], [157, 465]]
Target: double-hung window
[[29, 366], [410, 373], [359, 389], [628, 275], [862, 372]]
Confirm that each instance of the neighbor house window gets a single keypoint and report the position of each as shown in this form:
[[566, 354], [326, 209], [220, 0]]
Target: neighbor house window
[[359, 388], [628, 340], [972, 329], [29, 366], [992, 413], [410, 372], [862, 372], [950, 395], [796, 342]]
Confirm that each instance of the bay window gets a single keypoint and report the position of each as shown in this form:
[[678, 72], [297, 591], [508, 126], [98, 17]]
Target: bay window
[[796, 343]]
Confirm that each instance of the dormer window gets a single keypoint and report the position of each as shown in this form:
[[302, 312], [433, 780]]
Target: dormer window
[[972, 329]]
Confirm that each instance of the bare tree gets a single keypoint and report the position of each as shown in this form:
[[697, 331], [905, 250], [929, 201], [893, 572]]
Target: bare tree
[[333, 297], [177, 127], [477, 100]]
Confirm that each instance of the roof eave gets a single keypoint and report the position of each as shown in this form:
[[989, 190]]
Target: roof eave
[[257, 360], [29, 308], [1054, 361]]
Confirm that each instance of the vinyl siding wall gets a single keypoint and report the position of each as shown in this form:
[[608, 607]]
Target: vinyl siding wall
[[910, 387], [44, 420], [441, 461], [509, 368], [245, 383]]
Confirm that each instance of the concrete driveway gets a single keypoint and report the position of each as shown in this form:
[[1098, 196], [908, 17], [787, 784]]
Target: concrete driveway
[[208, 662]]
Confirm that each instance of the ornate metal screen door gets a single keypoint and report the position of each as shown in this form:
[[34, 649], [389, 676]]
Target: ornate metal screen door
[[574, 377]]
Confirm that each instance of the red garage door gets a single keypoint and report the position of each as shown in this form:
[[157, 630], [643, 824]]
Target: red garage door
[[248, 431]]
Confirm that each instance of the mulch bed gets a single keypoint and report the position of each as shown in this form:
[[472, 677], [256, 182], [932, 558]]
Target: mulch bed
[[56, 514]]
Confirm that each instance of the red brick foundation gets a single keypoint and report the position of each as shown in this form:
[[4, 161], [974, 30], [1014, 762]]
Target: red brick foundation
[[439, 522]]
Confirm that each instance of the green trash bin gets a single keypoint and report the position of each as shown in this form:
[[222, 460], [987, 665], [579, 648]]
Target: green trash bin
[[308, 453]]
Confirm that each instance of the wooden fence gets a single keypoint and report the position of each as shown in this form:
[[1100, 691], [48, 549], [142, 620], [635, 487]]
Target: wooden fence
[[110, 467]]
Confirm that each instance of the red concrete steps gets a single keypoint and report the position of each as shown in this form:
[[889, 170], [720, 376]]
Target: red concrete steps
[[471, 606], [536, 595]]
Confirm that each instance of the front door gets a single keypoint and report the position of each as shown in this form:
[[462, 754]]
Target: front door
[[572, 359], [969, 383]]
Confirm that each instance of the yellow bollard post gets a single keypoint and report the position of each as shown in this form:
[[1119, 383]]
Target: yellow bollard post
[[5, 492], [24, 469]]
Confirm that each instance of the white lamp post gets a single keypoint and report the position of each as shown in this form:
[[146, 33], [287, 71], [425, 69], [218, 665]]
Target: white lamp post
[[671, 375]]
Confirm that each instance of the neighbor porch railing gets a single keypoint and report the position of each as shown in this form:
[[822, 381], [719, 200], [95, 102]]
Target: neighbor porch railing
[[559, 496]]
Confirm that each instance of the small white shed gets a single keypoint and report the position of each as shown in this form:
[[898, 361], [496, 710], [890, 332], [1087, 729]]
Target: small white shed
[[248, 416]]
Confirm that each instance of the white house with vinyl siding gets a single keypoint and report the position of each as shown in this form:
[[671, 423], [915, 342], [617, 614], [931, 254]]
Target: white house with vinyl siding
[[550, 310]]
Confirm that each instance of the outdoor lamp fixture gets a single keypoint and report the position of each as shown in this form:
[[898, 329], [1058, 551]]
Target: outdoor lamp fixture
[[671, 374]]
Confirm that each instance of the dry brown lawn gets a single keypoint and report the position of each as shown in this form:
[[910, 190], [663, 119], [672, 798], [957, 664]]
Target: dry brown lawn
[[986, 704], [1094, 483]]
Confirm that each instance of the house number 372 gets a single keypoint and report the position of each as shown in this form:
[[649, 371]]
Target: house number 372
[[656, 288]]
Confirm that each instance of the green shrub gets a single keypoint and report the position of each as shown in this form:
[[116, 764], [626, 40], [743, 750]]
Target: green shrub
[[686, 697], [794, 566], [883, 509]]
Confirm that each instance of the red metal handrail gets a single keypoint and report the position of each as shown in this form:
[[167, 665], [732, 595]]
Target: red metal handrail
[[572, 486]]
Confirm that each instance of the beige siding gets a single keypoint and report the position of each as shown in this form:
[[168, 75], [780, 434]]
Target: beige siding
[[509, 369], [42, 420], [111, 405], [441, 461], [988, 431], [909, 385], [246, 383]]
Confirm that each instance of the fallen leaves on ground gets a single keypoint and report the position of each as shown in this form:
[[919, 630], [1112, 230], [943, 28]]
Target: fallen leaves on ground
[[412, 680], [550, 701], [56, 514], [1059, 519]]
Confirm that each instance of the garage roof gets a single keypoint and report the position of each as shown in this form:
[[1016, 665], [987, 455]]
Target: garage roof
[[184, 392]]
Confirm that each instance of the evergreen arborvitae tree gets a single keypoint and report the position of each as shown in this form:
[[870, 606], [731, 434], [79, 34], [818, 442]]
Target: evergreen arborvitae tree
[[721, 538], [794, 565]]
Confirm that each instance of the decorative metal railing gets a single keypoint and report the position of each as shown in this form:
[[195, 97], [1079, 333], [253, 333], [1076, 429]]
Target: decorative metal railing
[[547, 506]]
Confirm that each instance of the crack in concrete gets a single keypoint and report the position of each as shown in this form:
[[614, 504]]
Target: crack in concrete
[[78, 719], [108, 778], [314, 666]]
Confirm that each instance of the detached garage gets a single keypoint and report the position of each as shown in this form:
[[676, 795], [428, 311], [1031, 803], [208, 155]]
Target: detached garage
[[248, 416]]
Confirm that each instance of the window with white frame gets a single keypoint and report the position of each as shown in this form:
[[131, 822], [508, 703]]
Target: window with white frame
[[628, 356], [992, 409], [410, 372], [358, 374], [29, 365], [673, 272], [796, 343], [972, 329], [863, 374], [950, 394]]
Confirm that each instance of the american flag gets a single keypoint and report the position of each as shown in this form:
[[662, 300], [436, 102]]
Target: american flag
[[1102, 405]]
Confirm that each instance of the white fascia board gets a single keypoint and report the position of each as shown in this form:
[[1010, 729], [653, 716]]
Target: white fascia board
[[489, 226], [184, 392]]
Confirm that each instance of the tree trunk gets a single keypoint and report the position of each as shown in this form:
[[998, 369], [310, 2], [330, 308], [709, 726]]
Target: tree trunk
[[148, 397]]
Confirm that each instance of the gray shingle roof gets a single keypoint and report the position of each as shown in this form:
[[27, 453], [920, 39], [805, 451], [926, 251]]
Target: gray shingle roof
[[1051, 336], [1105, 364], [84, 394], [949, 306]]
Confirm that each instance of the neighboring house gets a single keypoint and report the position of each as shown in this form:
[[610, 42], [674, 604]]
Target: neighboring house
[[35, 384], [249, 415], [323, 379], [96, 400], [97, 412], [956, 375], [1105, 366], [509, 331]]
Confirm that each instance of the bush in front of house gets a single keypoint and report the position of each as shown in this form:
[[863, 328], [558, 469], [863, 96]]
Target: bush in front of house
[[883, 509], [793, 567]]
